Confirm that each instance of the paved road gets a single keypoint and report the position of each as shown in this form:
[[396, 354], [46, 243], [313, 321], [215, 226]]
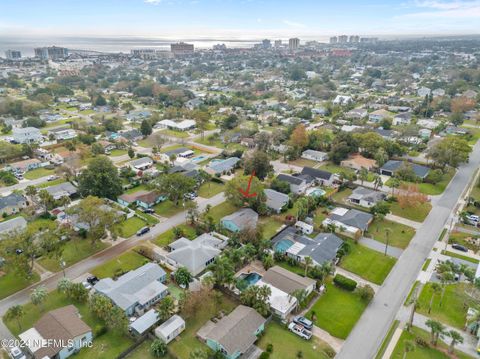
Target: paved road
[[368, 334], [23, 184], [89, 263]]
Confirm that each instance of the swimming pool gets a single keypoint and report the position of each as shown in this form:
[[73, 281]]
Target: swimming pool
[[199, 158], [283, 245], [317, 192], [247, 279]]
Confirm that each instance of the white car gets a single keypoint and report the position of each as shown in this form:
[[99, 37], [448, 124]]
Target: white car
[[52, 178], [300, 331], [16, 353], [87, 285]]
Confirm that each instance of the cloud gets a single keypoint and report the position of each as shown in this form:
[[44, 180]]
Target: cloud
[[298, 25], [445, 9], [153, 2]]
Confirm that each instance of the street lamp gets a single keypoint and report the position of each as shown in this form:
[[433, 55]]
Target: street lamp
[[63, 265]]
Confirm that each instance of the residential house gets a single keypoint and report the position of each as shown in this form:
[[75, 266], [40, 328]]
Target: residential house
[[62, 134], [144, 323], [143, 199], [366, 197], [65, 189], [317, 176], [402, 119], [281, 303], [132, 135], [184, 125], [438, 92], [27, 135], [12, 225], [356, 114], [297, 185], [315, 155], [62, 326], [342, 100], [12, 204], [141, 164], [425, 133], [428, 123], [170, 329], [276, 201], [234, 334], [198, 254], [389, 168], [351, 222], [356, 161], [454, 130], [379, 115], [288, 281], [322, 248], [242, 219], [135, 291], [25, 165], [221, 167], [471, 94], [423, 91]]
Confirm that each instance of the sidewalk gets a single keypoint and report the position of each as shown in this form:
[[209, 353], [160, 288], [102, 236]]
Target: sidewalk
[[334, 342], [401, 220], [356, 278], [380, 247]]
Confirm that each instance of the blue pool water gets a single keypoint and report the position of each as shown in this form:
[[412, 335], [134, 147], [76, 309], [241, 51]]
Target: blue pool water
[[283, 245], [252, 278], [199, 158], [317, 192]]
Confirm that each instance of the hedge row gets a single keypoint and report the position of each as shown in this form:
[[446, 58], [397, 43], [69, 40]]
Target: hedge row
[[344, 282]]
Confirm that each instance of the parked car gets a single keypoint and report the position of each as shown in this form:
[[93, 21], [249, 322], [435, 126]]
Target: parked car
[[142, 231], [52, 178], [191, 195], [300, 331], [87, 285], [307, 324], [16, 353], [19, 176], [92, 280], [148, 210], [459, 247]]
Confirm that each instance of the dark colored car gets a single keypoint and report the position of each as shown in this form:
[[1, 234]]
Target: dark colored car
[[142, 231], [92, 280], [148, 210], [307, 324], [459, 247]]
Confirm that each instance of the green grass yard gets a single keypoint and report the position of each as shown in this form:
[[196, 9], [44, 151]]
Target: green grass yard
[[74, 251], [130, 226], [117, 152], [453, 310], [270, 226], [337, 311], [286, 344], [125, 262], [367, 263], [37, 173], [416, 213], [136, 189], [11, 282], [210, 189], [51, 183], [221, 210], [459, 256], [167, 208], [399, 235], [168, 237], [337, 169]]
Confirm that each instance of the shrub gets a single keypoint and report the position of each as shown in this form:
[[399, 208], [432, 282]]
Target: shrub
[[366, 292], [421, 342], [264, 355], [329, 352], [269, 348], [344, 282], [99, 330]]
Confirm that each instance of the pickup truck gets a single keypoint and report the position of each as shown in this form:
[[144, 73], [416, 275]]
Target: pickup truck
[[300, 331]]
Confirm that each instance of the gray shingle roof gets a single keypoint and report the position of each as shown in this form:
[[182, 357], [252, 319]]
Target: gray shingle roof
[[275, 199], [354, 218], [393, 165], [290, 179], [285, 280], [11, 200], [13, 224], [316, 173], [225, 165], [243, 218], [367, 195]]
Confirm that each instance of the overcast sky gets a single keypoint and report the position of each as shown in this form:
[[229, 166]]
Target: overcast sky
[[239, 19]]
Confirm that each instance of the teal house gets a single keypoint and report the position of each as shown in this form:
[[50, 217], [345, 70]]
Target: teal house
[[236, 333], [240, 220]]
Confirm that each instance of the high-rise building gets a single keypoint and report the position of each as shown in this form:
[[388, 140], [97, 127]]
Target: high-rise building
[[333, 40], [354, 38], [182, 48], [293, 43], [144, 53], [51, 53], [266, 44], [342, 39], [278, 43], [13, 54]]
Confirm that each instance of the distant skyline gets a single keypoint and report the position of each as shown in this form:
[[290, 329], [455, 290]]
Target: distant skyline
[[237, 19]]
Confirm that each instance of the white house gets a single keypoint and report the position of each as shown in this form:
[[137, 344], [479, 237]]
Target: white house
[[342, 100], [304, 227], [403, 118], [281, 303], [170, 329], [315, 155], [27, 135], [184, 125]]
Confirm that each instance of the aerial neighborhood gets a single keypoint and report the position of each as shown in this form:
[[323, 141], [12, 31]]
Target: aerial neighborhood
[[263, 202]]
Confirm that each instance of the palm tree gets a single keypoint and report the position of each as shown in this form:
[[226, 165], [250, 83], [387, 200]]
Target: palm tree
[[437, 329], [415, 305], [394, 183], [435, 288], [63, 285], [38, 296], [409, 346], [363, 175], [308, 263], [16, 312], [387, 237], [456, 338], [445, 278]]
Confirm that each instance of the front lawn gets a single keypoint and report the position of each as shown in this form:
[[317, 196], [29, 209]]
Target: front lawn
[[399, 235], [125, 262], [342, 195], [337, 311], [270, 226], [187, 339], [330, 167], [130, 226], [179, 134], [37, 173], [11, 282], [416, 213], [422, 352], [73, 251], [459, 256], [367, 263], [136, 189], [117, 152], [221, 210], [453, 310], [168, 237], [167, 208], [51, 183], [210, 189], [143, 352], [438, 188], [286, 344]]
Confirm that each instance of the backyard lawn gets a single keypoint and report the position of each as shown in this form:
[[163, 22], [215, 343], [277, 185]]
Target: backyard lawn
[[270, 226], [37, 173], [330, 167], [74, 251], [51, 183], [221, 210], [210, 189], [11, 282], [108, 345], [136, 189], [286, 345], [422, 352], [125, 262], [117, 152], [399, 235], [367, 263], [342, 195], [168, 237], [130, 226], [453, 310], [337, 311], [167, 208], [416, 213], [143, 352], [432, 189], [188, 340]]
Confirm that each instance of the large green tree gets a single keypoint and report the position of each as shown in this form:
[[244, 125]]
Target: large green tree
[[451, 151], [259, 162], [100, 179], [175, 186], [238, 199]]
